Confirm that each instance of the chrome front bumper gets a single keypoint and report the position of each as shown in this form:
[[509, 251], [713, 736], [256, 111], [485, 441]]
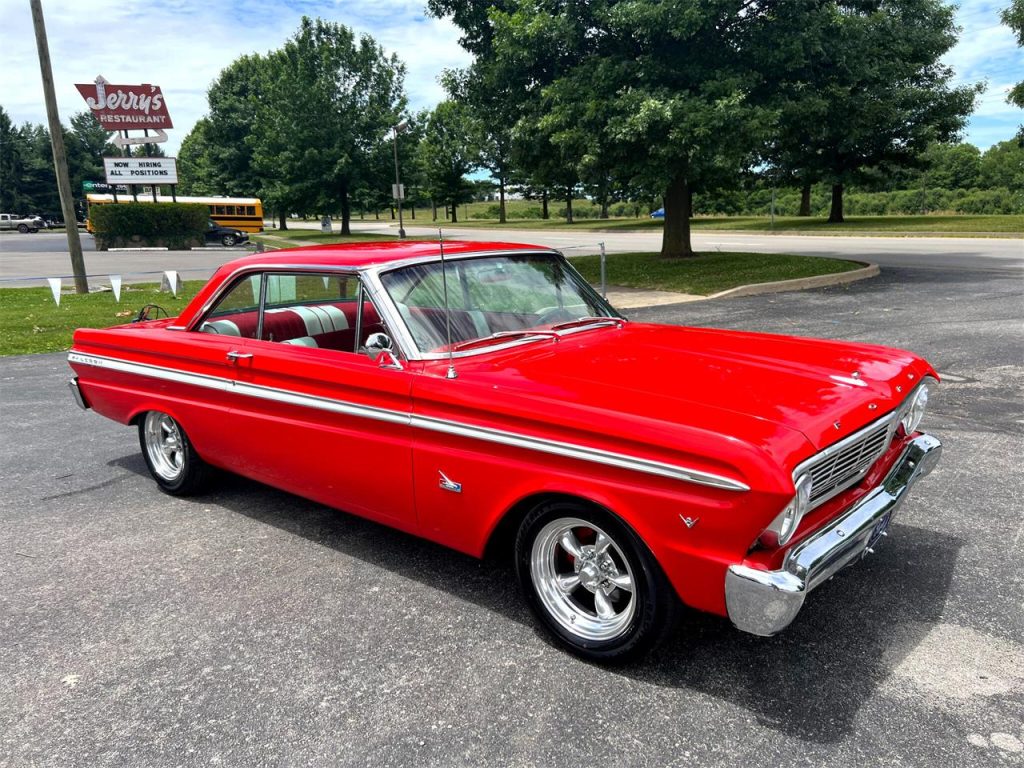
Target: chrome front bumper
[[765, 602]]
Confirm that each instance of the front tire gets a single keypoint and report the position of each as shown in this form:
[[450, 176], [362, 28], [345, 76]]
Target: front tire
[[23, 228], [592, 583], [169, 455], [228, 240]]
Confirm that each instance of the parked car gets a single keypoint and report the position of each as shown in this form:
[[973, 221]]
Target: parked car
[[23, 224], [495, 402], [226, 236], [658, 214]]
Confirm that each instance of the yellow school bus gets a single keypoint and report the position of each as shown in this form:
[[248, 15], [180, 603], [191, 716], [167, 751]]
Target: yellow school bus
[[244, 213]]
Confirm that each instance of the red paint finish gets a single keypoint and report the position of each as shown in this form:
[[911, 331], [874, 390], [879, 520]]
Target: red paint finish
[[746, 407]]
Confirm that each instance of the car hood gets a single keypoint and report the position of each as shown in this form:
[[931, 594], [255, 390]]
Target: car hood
[[822, 389]]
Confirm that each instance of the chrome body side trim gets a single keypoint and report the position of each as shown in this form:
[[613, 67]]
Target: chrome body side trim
[[584, 453], [487, 434], [765, 602]]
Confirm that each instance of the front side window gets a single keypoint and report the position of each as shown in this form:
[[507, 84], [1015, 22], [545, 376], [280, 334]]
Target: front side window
[[489, 297]]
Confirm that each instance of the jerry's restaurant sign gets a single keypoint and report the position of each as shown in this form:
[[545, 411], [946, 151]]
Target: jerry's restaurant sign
[[126, 107]]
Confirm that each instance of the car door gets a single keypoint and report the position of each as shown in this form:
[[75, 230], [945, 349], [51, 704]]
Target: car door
[[320, 419]]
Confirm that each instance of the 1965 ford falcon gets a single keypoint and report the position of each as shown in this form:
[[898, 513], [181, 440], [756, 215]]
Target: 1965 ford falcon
[[493, 399]]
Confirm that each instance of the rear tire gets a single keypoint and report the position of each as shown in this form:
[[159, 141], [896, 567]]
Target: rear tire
[[170, 457], [592, 582], [23, 228]]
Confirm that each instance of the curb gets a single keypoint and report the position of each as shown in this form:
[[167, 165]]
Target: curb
[[779, 286], [801, 283]]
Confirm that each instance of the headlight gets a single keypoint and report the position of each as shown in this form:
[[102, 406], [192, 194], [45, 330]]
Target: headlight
[[238, 234], [915, 411], [782, 528]]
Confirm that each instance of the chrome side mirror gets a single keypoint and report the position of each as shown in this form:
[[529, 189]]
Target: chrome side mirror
[[381, 351]]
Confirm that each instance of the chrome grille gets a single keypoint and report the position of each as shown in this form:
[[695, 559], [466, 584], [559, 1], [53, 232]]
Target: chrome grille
[[841, 465]]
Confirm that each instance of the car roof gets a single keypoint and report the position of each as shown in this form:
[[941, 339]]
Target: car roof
[[369, 254]]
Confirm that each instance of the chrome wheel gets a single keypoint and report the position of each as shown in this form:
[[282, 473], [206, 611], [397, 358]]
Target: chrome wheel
[[164, 445], [583, 579]]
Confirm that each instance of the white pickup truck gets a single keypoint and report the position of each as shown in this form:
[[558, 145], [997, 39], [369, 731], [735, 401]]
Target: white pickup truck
[[21, 223]]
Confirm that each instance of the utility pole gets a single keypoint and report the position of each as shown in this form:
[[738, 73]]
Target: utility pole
[[60, 160]]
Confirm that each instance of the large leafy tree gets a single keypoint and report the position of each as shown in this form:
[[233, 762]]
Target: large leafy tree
[[861, 88], [447, 152], [657, 93], [327, 99]]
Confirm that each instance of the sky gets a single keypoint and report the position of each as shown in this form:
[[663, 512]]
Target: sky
[[182, 45]]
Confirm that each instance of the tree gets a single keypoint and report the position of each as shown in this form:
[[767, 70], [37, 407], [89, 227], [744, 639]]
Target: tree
[[656, 91], [13, 150], [148, 150], [197, 173], [863, 87], [1002, 165], [87, 144], [1013, 17], [953, 166], [326, 100], [448, 152]]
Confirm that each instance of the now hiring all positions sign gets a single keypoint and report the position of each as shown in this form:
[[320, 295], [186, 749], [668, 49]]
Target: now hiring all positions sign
[[141, 170]]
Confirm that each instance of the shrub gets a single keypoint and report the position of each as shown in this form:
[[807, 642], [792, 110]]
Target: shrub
[[176, 226]]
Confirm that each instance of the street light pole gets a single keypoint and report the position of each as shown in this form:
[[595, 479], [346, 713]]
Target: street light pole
[[60, 159], [398, 182]]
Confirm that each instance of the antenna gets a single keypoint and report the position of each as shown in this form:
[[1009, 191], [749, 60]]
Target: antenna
[[447, 312]]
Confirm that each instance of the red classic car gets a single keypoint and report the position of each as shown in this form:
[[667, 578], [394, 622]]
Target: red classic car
[[626, 466]]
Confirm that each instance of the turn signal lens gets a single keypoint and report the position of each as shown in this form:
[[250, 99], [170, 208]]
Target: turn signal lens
[[784, 526]]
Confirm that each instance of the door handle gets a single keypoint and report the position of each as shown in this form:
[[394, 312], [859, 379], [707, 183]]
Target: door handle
[[236, 356]]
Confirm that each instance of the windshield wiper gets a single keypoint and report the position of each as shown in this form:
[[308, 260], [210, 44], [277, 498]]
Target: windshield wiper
[[504, 335], [617, 321]]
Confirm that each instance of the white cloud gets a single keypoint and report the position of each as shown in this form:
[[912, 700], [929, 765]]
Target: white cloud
[[182, 45], [988, 52]]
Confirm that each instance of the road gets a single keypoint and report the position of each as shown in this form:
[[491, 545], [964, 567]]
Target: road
[[250, 627], [27, 259]]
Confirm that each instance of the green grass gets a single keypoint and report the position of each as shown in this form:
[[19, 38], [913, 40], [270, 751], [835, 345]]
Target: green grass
[[30, 321], [1003, 226], [705, 273], [315, 236]]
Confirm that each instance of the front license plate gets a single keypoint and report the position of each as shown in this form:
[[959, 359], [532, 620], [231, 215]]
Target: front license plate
[[879, 528]]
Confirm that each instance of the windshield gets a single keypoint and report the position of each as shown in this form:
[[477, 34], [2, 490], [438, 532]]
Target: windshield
[[492, 297]]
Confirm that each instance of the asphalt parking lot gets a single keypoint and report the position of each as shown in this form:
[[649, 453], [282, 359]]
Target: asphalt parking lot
[[250, 627]]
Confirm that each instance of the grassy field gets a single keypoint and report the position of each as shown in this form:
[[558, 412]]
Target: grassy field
[[937, 223], [706, 273], [279, 238], [30, 321]]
